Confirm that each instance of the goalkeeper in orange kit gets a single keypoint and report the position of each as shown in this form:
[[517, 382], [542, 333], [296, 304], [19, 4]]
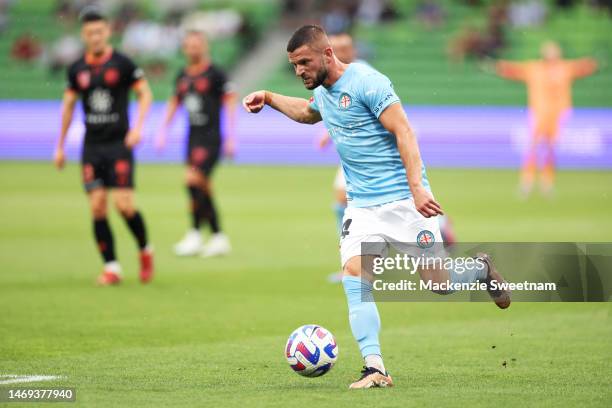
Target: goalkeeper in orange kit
[[549, 87]]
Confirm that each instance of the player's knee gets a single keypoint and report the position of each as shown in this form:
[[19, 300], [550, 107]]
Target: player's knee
[[192, 177], [126, 210], [98, 209], [97, 204], [125, 206], [352, 268], [190, 180]]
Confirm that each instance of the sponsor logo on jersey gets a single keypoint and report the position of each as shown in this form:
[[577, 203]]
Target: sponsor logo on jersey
[[100, 103], [192, 103], [100, 100]]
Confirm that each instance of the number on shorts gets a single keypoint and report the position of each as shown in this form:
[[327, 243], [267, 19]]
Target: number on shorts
[[345, 227]]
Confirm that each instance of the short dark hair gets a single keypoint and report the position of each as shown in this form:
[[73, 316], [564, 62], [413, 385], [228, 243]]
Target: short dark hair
[[305, 35], [91, 14], [197, 33]]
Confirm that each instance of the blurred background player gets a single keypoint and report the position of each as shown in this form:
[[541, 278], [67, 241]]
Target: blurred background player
[[549, 86], [203, 89], [103, 79], [343, 47], [342, 44]]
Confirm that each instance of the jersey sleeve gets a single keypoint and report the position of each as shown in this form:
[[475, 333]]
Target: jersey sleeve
[[516, 71], [177, 85], [71, 84], [222, 84], [131, 73], [377, 93], [582, 67]]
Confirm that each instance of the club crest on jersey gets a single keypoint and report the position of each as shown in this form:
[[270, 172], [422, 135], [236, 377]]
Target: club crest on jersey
[[83, 79], [201, 85], [345, 101], [111, 76], [425, 239]]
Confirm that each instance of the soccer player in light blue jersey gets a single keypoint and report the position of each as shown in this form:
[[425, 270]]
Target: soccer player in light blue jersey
[[388, 193]]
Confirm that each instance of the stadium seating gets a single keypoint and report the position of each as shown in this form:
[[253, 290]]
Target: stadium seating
[[415, 59], [21, 80], [417, 63]]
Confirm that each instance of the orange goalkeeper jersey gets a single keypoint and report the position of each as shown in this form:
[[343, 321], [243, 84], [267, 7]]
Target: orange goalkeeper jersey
[[549, 84]]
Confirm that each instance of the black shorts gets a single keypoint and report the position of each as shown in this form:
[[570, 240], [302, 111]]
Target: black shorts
[[107, 165], [203, 157]]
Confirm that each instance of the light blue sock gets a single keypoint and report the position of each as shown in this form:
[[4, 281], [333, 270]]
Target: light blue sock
[[467, 275], [339, 211], [363, 316]]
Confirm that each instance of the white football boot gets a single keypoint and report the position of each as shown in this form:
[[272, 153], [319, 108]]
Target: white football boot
[[217, 245], [190, 245]]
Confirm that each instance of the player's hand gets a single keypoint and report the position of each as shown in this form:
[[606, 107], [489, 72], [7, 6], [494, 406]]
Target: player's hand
[[133, 138], [488, 66], [59, 158], [229, 148], [425, 203], [324, 140], [160, 141], [254, 102]]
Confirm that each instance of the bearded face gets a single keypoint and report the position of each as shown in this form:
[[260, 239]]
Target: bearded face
[[309, 65]]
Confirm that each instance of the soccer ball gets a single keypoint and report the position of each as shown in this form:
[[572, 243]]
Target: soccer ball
[[311, 350]]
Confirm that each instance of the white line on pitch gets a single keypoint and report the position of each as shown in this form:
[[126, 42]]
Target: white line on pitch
[[16, 379]]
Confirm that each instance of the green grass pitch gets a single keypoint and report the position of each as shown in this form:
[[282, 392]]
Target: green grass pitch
[[211, 332]]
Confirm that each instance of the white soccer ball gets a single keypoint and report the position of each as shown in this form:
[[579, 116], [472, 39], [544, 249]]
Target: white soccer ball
[[311, 350]]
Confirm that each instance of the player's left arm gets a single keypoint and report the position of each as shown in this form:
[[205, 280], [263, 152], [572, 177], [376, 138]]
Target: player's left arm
[[230, 101], [583, 67], [144, 96], [394, 119]]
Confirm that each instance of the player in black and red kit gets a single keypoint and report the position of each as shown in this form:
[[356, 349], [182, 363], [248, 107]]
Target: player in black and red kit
[[202, 88], [103, 79]]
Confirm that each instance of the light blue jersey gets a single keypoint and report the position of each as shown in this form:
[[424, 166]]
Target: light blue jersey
[[370, 160]]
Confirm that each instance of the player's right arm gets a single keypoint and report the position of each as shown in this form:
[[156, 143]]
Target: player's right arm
[[297, 109], [171, 108], [516, 71], [68, 104]]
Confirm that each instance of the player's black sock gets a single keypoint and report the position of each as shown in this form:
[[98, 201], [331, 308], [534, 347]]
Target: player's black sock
[[137, 226], [104, 238], [210, 213], [202, 207], [196, 206]]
